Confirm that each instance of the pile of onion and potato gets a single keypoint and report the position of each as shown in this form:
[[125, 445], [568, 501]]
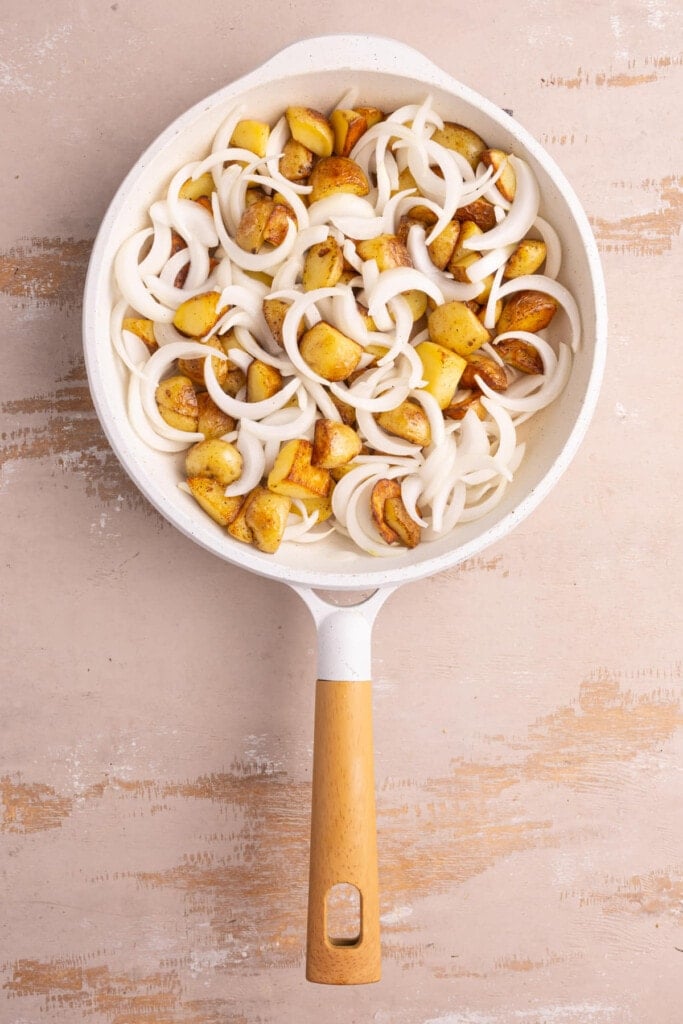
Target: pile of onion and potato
[[339, 320]]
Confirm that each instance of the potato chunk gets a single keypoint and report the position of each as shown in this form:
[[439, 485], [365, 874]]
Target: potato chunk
[[323, 265], [383, 490], [507, 182], [263, 221], [198, 315], [491, 372], [336, 174], [194, 368], [293, 474], [177, 402], [409, 421], [200, 188], [218, 460], [266, 516], [455, 326], [396, 517], [296, 162], [348, 126], [526, 259], [441, 249], [442, 369], [386, 250], [461, 139], [211, 496], [251, 135], [334, 444], [143, 329], [311, 129], [330, 353], [212, 421], [481, 211], [520, 355], [526, 311], [275, 311], [263, 381]]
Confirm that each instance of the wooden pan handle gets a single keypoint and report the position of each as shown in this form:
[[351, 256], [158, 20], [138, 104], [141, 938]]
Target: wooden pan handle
[[343, 833]]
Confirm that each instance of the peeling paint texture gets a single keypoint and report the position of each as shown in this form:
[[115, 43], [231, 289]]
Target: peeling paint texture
[[156, 722]]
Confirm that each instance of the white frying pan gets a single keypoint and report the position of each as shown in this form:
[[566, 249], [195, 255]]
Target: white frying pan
[[316, 73]]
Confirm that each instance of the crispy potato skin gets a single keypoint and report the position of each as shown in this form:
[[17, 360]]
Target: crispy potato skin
[[294, 475], [198, 315], [216, 459], [323, 265], [334, 444], [526, 311], [312, 129], [461, 139], [209, 494], [409, 421], [330, 353], [335, 174], [382, 490], [177, 402], [266, 517]]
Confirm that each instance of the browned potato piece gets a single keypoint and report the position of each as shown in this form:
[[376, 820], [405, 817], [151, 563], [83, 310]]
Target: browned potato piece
[[323, 265], [456, 327], [442, 369], [274, 311], [467, 230], [417, 301], [409, 421], [311, 129], [383, 490], [239, 528], [491, 372], [372, 115], [266, 517], [526, 311], [507, 183], [210, 495], [458, 410], [252, 225], [219, 460], [481, 313], [463, 140], [212, 421], [296, 162], [335, 174], [520, 355], [404, 226], [323, 506], [263, 381], [177, 402], [202, 187], [460, 271], [347, 412], [143, 329], [526, 259], [348, 126], [251, 135], [386, 250], [194, 368], [293, 474], [396, 517], [441, 249], [334, 444], [481, 211], [196, 316], [328, 352], [278, 223]]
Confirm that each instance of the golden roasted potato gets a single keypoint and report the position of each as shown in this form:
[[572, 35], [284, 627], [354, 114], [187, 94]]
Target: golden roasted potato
[[251, 230], [458, 410], [212, 421], [396, 517], [441, 249], [274, 311], [467, 230], [386, 250], [335, 174], [265, 516], [372, 115], [177, 402], [238, 527], [491, 372], [323, 506], [442, 369], [251, 135], [334, 444], [347, 412], [263, 381], [296, 162], [197, 316], [143, 329], [460, 271], [409, 421], [417, 302], [528, 310], [294, 475], [456, 327], [463, 140], [219, 460], [194, 368], [507, 183], [383, 490], [520, 355], [481, 211], [211, 496], [481, 313], [328, 352], [323, 265], [201, 188], [348, 126], [311, 129], [526, 259], [278, 223]]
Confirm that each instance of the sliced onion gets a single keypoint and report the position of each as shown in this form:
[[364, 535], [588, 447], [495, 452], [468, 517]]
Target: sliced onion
[[449, 288], [253, 461], [401, 279], [339, 205], [521, 216], [547, 392], [127, 274], [141, 425], [553, 246], [248, 410]]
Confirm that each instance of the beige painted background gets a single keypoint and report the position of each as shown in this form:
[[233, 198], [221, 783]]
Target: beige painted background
[[156, 718]]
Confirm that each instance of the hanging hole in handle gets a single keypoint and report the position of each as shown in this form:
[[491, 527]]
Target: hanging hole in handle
[[343, 915]]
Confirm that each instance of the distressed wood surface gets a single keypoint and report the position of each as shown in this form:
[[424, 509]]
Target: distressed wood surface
[[157, 706]]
